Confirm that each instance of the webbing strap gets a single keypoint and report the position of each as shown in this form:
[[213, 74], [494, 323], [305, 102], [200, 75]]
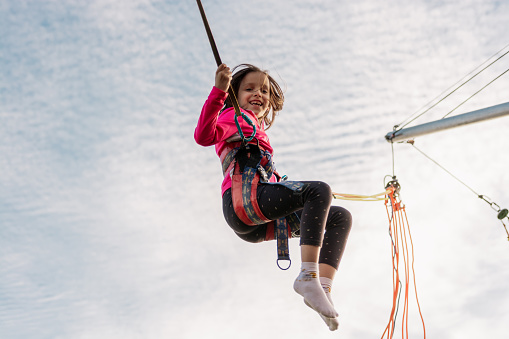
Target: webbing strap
[[244, 187], [245, 203], [227, 157], [281, 234]]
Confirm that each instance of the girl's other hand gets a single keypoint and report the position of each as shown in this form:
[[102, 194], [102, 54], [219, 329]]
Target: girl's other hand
[[223, 77]]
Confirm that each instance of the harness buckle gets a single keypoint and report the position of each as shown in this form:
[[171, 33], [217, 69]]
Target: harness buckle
[[263, 173]]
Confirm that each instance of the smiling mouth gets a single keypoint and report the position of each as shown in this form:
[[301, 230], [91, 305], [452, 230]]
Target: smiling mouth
[[256, 103]]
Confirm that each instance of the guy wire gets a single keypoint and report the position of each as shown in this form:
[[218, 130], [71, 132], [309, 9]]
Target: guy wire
[[470, 97], [457, 88], [436, 163]]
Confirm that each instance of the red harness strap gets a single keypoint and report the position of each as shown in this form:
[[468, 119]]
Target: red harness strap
[[227, 156], [244, 198], [244, 188]]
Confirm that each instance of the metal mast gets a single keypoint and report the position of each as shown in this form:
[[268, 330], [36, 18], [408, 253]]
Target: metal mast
[[448, 123]]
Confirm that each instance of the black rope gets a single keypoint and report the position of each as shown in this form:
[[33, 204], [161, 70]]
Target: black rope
[[213, 45]]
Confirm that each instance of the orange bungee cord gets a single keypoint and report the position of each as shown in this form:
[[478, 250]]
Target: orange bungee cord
[[401, 238]]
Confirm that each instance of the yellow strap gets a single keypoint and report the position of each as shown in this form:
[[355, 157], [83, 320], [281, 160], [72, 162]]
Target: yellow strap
[[359, 197]]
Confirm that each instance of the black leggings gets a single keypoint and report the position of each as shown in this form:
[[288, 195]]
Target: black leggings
[[320, 224]]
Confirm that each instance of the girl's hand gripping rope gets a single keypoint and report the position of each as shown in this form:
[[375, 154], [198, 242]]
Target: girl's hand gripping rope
[[223, 77], [222, 82]]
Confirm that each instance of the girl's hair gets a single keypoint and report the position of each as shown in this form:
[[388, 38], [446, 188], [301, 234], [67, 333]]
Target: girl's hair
[[276, 97]]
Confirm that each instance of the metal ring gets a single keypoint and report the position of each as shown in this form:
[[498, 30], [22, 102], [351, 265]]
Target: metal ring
[[289, 264]]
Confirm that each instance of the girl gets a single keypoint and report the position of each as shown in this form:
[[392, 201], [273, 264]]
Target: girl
[[323, 229]]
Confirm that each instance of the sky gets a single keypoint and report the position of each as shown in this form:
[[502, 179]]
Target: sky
[[110, 214]]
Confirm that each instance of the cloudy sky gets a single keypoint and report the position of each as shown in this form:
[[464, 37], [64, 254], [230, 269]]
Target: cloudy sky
[[110, 214]]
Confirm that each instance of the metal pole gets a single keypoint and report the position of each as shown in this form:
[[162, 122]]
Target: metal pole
[[448, 123]]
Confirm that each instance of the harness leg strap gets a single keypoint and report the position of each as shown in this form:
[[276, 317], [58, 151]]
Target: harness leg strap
[[281, 233]]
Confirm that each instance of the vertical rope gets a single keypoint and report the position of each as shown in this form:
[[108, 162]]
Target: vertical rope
[[231, 92]]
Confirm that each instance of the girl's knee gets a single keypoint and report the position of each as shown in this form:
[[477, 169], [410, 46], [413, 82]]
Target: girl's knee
[[325, 188], [340, 216], [319, 189], [347, 217]]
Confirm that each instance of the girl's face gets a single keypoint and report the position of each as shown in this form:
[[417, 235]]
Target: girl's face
[[254, 93]]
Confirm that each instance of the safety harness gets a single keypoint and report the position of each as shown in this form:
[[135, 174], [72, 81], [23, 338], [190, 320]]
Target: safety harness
[[249, 166]]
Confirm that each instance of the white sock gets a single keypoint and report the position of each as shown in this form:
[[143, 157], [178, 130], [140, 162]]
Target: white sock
[[332, 323], [326, 283], [308, 285]]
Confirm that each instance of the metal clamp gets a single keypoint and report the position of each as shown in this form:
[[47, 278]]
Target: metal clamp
[[394, 184]]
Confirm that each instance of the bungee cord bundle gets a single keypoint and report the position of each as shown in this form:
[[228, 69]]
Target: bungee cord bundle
[[401, 239]]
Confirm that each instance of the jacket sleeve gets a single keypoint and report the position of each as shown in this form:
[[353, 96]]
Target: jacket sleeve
[[208, 132]]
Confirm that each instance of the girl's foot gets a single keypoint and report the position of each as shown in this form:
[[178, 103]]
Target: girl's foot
[[332, 323], [308, 286]]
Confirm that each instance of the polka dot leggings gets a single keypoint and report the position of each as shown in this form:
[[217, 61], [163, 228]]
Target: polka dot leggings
[[320, 224]]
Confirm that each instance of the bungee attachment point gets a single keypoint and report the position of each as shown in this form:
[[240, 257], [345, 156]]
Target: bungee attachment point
[[249, 122], [393, 185]]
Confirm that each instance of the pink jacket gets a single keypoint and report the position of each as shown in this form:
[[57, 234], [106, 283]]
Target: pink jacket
[[214, 129]]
